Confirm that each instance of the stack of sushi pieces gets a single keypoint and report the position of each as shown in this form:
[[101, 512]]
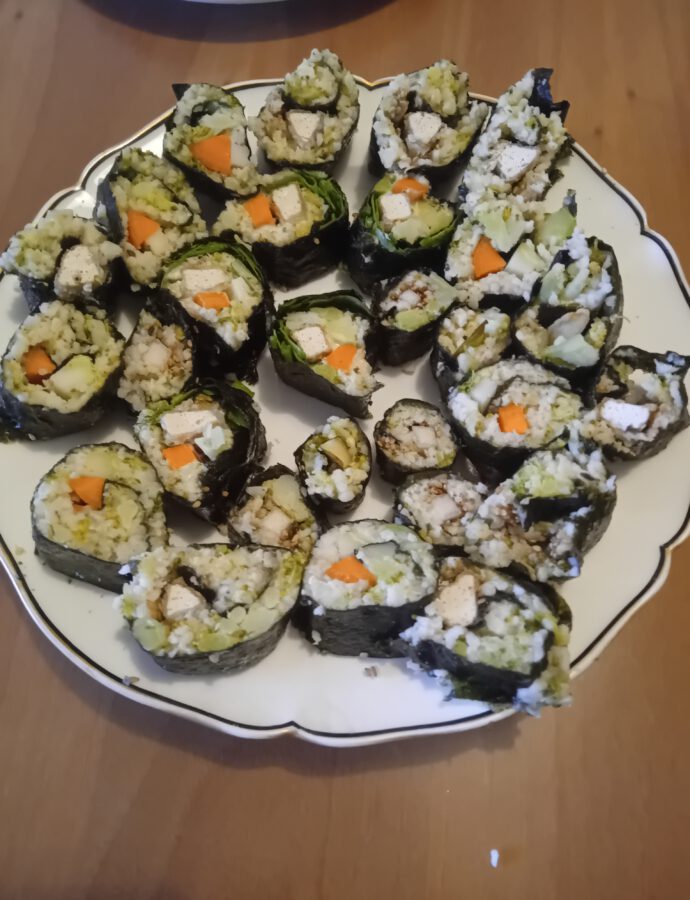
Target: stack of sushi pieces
[[497, 493]]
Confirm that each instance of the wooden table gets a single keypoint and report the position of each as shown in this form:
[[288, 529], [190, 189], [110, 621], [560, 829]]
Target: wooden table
[[100, 798]]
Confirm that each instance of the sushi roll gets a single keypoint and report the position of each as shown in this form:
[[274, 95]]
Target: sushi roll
[[363, 585], [203, 444], [101, 505], [640, 403], [520, 150], [438, 506], [400, 226], [59, 371], [334, 465], [272, 510], [494, 638], [467, 340], [206, 136], [219, 290], [576, 315], [413, 436], [308, 121], [541, 522], [296, 224], [406, 309], [210, 608], [160, 359], [322, 345], [150, 209], [508, 410], [495, 257], [425, 123], [63, 256]]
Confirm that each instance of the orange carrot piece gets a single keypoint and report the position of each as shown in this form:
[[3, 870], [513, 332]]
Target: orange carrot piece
[[212, 299], [89, 490], [180, 455], [486, 260], [37, 365], [140, 228], [342, 357], [415, 190], [214, 153], [259, 210], [351, 570], [511, 417]]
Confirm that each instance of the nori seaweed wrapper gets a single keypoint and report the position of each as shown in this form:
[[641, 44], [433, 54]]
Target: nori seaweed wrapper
[[216, 358], [374, 255], [395, 472], [291, 364], [317, 252]]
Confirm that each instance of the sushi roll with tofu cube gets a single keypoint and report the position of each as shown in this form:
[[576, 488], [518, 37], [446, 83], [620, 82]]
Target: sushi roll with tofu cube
[[150, 209], [641, 402], [210, 608], [401, 226], [296, 225], [307, 121], [413, 436], [494, 638], [59, 371], [363, 585], [322, 345], [425, 123], [63, 256], [96, 509], [334, 465], [206, 136]]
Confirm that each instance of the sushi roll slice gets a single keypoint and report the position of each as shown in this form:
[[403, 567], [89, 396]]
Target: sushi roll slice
[[322, 345], [495, 257], [219, 290], [494, 638], [271, 510], [101, 505], [296, 224], [467, 340], [203, 444], [641, 403], [308, 121], [425, 123], [206, 136], [438, 506], [150, 209], [400, 226], [576, 315], [210, 608], [63, 256], [413, 436], [334, 465], [542, 521], [519, 151], [160, 359], [363, 585], [59, 371], [508, 410], [406, 309]]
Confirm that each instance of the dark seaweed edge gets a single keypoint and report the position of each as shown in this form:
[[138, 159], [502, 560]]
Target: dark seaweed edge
[[160, 702]]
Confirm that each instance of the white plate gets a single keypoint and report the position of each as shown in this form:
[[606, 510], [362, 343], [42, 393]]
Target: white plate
[[330, 700]]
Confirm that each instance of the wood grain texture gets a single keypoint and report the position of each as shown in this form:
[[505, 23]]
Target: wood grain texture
[[101, 798]]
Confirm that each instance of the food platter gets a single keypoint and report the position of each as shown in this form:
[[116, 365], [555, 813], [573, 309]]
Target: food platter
[[350, 701]]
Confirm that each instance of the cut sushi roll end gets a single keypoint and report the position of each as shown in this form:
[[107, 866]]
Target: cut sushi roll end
[[413, 436]]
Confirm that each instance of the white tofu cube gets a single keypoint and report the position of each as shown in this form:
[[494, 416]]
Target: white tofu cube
[[312, 342], [197, 280], [423, 435], [155, 355], [274, 524], [625, 416], [240, 290], [514, 161], [394, 208], [287, 202], [442, 509], [457, 602], [180, 601], [212, 442], [77, 268], [183, 426], [305, 127], [421, 129]]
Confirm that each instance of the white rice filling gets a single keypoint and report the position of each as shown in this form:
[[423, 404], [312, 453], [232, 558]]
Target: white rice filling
[[326, 479], [417, 437], [585, 282], [440, 506]]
